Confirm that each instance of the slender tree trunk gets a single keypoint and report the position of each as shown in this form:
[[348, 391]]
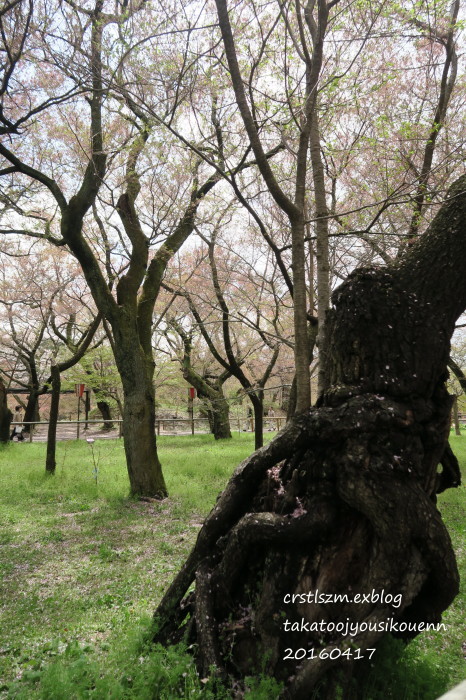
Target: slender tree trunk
[[321, 247], [106, 414], [291, 407], [446, 86], [5, 415], [314, 329], [301, 340], [50, 462], [258, 407], [456, 420], [343, 499]]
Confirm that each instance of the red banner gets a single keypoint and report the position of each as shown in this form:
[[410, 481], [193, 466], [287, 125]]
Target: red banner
[[192, 392], [79, 389]]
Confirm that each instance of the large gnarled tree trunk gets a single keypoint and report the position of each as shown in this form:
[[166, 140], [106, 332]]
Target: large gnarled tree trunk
[[343, 499]]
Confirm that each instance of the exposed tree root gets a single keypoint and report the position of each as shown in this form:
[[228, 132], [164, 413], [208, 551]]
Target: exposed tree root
[[346, 513], [342, 501]]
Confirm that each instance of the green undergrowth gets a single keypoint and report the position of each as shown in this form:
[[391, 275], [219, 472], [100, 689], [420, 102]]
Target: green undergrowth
[[82, 567]]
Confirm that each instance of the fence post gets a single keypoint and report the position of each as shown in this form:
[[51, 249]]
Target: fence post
[[158, 427]]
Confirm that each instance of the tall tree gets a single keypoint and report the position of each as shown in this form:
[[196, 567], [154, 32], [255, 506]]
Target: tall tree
[[343, 499], [344, 103], [445, 39], [208, 385], [27, 301], [235, 306], [293, 207], [78, 347], [155, 204]]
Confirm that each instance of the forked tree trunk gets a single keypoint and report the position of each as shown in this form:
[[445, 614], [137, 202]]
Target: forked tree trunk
[[343, 499]]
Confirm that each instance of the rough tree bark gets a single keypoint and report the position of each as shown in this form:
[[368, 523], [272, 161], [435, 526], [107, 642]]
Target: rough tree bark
[[31, 414], [343, 499], [218, 414]]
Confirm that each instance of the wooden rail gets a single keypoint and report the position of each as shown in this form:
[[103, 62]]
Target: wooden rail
[[163, 426]]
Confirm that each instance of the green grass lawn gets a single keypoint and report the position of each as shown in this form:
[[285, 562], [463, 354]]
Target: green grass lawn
[[82, 568]]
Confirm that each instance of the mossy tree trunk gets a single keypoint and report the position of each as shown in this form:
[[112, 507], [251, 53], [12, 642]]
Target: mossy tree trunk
[[343, 499], [136, 367]]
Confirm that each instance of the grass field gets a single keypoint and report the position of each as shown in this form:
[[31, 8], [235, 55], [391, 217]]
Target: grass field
[[82, 568]]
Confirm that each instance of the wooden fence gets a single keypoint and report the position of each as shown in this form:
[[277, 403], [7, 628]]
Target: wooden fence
[[163, 426]]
